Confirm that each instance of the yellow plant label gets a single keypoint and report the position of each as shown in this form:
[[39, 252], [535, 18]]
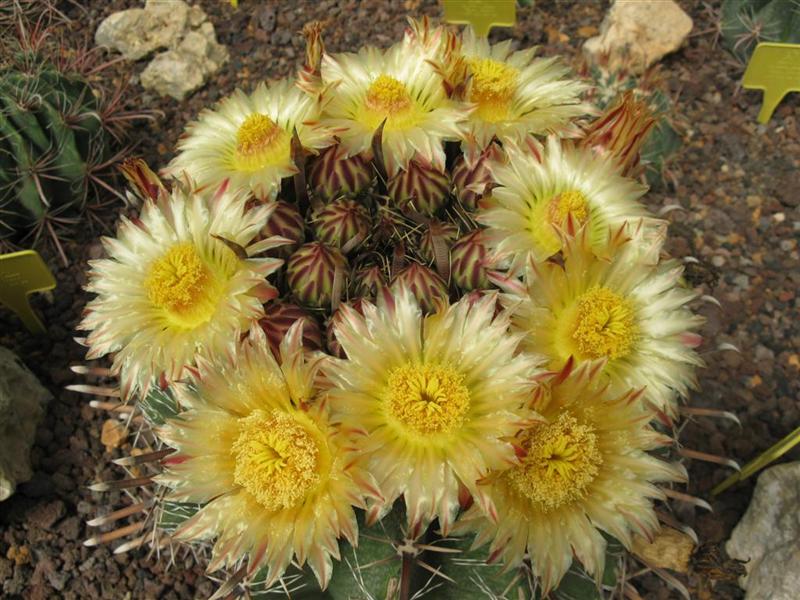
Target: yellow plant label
[[481, 14], [22, 273], [774, 68]]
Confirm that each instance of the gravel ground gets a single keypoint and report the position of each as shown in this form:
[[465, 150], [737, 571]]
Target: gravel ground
[[736, 181]]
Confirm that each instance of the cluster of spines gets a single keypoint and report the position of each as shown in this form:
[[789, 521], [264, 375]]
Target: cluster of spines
[[59, 129]]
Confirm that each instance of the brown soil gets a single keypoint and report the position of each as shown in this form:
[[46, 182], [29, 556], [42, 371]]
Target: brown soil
[[735, 179]]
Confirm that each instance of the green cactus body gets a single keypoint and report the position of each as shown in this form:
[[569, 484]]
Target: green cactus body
[[426, 286], [312, 273], [342, 223], [469, 257], [745, 23], [50, 134], [333, 173], [422, 185], [285, 221]]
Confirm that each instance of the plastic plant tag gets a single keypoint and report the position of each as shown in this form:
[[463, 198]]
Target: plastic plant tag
[[774, 68], [481, 14], [22, 273]]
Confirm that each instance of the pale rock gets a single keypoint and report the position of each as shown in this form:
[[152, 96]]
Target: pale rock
[[196, 16], [182, 70], [172, 74], [138, 32], [22, 400], [638, 33], [767, 539]]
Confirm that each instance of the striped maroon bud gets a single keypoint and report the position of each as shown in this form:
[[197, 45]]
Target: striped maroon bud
[[334, 347], [308, 77], [424, 284], [343, 223], [470, 183], [333, 173], [144, 182], [468, 262], [620, 133], [316, 273], [280, 316], [369, 281], [285, 221], [420, 185], [435, 239]]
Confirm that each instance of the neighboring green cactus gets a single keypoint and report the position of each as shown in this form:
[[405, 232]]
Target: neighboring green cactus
[[50, 133], [61, 126], [745, 23]]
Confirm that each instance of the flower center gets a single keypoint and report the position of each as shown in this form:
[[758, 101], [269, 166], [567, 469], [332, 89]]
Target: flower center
[[563, 458], [276, 459], [569, 202], [427, 398], [387, 95], [387, 98], [545, 213], [259, 142], [493, 86], [605, 324], [181, 283]]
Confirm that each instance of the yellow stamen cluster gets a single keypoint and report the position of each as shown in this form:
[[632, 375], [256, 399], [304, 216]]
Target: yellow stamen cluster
[[387, 95], [546, 213], [276, 459], [427, 398], [563, 458], [256, 133], [388, 99], [566, 203], [605, 325], [259, 142], [493, 86], [181, 283]]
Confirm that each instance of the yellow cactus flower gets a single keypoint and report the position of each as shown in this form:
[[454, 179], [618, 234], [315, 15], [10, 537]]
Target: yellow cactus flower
[[544, 192], [277, 480], [583, 471], [512, 94], [172, 285], [435, 399], [247, 139], [399, 87], [621, 306]]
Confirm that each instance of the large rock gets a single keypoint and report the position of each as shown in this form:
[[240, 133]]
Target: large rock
[[638, 33], [191, 54], [22, 400], [181, 71], [138, 32], [768, 536]]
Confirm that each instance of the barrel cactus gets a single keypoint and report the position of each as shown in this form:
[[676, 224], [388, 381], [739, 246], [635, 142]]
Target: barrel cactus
[[745, 23], [59, 127], [488, 284]]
